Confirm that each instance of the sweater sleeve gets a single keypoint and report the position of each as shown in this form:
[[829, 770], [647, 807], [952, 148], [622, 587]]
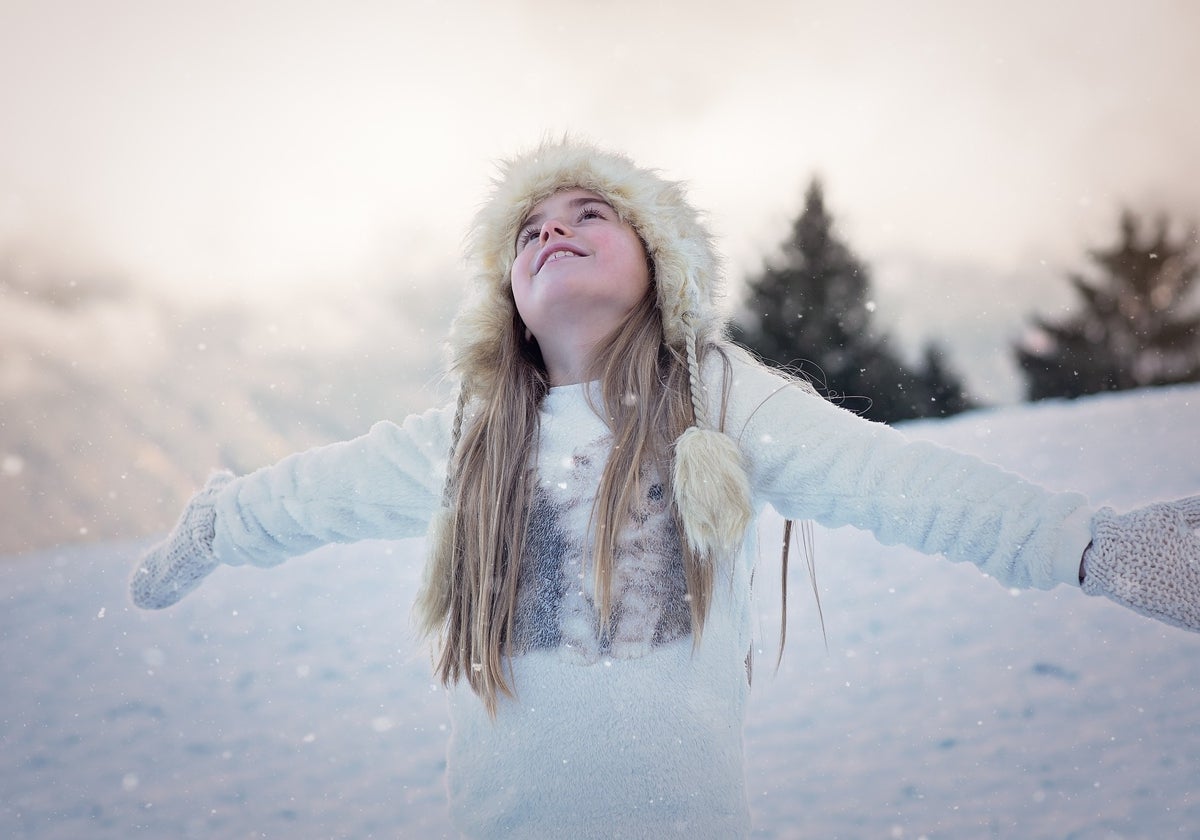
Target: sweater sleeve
[[810, 459], [382, 485]]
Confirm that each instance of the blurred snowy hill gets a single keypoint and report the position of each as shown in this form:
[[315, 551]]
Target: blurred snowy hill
[[114, 406]]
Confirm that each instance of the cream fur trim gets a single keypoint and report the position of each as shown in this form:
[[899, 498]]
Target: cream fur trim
[[711, 492], [686, 266]]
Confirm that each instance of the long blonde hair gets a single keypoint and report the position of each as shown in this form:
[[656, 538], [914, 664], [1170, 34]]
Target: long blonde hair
[[654, 402], [646, 403]]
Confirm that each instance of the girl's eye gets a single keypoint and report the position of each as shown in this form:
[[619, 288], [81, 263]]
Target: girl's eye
[[526, 236], [590, 213]]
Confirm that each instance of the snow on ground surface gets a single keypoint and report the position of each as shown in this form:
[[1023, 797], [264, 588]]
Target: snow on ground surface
[[294, 702]]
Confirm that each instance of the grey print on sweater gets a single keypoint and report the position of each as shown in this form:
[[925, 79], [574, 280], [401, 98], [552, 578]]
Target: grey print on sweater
[[556, 601]]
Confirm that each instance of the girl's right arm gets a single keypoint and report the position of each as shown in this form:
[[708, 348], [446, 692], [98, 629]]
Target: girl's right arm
[[382, 485]]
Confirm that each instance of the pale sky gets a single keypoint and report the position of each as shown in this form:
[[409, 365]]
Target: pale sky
[[259, 148]]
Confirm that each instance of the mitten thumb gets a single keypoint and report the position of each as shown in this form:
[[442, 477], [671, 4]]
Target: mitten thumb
[[1189, 509]]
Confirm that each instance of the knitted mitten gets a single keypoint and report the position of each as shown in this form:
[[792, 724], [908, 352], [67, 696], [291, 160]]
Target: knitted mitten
[[175, 566], [1148, 560]]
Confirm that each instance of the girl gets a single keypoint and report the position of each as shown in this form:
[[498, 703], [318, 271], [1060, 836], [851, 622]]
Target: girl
[[588, 499]]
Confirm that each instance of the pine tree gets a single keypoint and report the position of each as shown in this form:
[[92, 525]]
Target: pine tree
[[811, 313], [1137, 325], [947, 394]]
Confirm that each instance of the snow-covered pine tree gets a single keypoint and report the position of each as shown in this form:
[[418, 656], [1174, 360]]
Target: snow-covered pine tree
[[1137, 325], [811, 311]]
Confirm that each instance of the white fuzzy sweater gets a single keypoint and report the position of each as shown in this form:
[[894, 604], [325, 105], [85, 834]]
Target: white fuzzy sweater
[[637, 732]]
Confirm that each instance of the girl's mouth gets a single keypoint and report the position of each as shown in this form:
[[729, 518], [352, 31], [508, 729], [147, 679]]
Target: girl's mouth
[[554, 252]]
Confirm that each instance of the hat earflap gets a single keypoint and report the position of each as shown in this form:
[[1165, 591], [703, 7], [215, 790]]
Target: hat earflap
[[712, 492]]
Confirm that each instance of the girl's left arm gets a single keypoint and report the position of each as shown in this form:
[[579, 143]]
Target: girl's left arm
[[812, 460]]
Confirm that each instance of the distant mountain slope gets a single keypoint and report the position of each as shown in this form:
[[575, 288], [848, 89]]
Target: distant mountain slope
[[114, 409]]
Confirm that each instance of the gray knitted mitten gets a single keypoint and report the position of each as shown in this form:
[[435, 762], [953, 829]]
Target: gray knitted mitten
[[175, 566], [1148, 560]]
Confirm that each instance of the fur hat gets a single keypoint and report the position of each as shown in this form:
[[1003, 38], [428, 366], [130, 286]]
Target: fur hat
[[685, 265], [711, 489]]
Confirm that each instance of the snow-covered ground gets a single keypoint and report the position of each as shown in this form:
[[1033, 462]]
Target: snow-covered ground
[[295, 703]]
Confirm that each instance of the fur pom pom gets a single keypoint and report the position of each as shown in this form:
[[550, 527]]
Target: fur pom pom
[[433, 600], [712, 492]]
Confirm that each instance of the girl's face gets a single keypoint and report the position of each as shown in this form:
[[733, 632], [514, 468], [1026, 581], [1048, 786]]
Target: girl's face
[[579, 269]]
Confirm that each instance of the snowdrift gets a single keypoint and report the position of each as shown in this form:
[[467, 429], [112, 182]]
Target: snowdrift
[[295, 701]]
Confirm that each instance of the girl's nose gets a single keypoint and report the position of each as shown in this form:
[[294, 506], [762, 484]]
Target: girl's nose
[[555, 226]]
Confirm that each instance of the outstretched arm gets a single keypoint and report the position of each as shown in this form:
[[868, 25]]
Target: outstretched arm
[[382, 485], [812, 460]]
